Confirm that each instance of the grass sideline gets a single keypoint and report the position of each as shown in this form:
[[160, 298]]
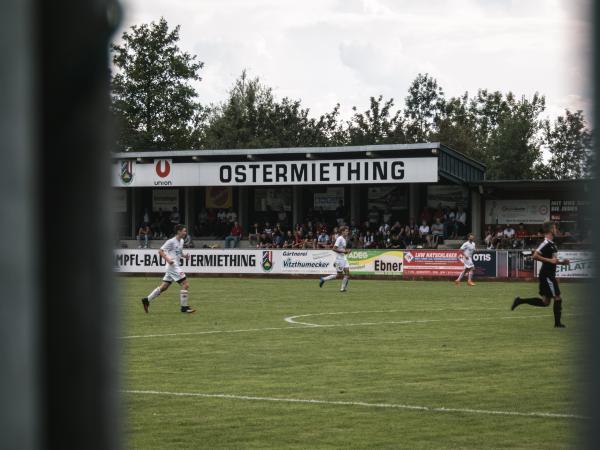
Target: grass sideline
[[244, 376]]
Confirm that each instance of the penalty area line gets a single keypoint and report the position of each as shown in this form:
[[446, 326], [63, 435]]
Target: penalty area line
[[436, 409]]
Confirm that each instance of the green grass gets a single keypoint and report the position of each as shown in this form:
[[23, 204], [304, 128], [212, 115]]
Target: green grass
[[471, 353]]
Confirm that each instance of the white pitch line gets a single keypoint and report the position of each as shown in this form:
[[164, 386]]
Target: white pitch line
[[441, 409], [305, 326]]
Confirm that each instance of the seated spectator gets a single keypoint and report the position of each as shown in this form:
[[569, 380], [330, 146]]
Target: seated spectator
[[298, 240], [323, 239], [508, 236], [497, 239], [437, 232], [144, 234], [489, 237], [288, 242], [425, 234], [235, 235], [310, 241], [278, 236], [266, 237], [187, 241], [370, 240], [520, 236]]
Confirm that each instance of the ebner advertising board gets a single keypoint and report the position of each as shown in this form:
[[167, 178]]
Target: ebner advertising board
[[376, 262]]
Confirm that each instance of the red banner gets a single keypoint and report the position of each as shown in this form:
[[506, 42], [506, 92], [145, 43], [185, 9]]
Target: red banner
[[433, 263]]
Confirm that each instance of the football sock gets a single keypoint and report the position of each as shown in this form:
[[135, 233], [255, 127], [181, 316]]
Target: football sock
[[345, 282], [470, 275], [533, 301], [557, 311], [329, 277], [155, 293], [460, 276], [183, 297]]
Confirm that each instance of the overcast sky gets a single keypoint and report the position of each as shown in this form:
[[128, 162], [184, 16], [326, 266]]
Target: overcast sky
[[329, 51]]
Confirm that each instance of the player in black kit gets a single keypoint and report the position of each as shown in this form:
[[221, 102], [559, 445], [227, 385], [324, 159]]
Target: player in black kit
[[547, 254]]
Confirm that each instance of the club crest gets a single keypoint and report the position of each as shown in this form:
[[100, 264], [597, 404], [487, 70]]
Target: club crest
[[267, 260], [127, 171]]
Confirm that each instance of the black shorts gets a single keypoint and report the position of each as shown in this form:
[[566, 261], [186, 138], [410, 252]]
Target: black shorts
[[549, 287]]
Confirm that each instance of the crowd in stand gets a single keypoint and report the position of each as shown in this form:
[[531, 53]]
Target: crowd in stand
[[379, 229]]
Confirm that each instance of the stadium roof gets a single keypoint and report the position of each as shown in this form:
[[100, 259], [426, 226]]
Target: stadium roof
[[452, 165]]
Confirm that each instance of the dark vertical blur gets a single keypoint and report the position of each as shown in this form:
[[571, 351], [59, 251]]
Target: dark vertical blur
[[592, 339], [78, 342], [19, 395], [58, 373]]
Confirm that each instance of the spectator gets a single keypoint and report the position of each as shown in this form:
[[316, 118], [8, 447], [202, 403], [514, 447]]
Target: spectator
[[278, 236], [267, 236], [187, 242], [146, 218], [461, 221], [175, 218], [340, 213], [323, 239], [155, 226], [298, 241], [498, 236], [289, 240], [508, 236], [310, 241], [370, 240], [425, 234], [521, 236], [144, 234], [489, 237], [373, 218], [437, 232], [235, 234], [282, 217], [387, 216]]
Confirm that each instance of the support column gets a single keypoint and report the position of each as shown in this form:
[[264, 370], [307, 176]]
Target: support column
[[476, 213], [134, 195], [188, 218], [296, 205], [242, 210], [354, 204], [414, 204]]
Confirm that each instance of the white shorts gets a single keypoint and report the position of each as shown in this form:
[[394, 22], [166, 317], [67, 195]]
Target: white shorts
[[468, 262], [340, 263], [174, 273]]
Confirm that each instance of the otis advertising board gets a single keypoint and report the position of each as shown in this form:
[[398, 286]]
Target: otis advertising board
[[446, 263], [581, 265], [376, 262]]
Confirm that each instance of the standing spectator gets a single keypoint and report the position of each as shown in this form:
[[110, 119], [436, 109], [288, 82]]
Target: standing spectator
[[231, 216], [235, 235], [144, 234], [461, 221], [489, 237], [340, 213], [254, 234], [437, 231], [146, 218], [373, 218], [175, 218], [425, 234]]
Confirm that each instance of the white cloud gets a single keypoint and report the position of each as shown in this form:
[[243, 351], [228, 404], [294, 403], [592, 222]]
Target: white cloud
[[329, 51]]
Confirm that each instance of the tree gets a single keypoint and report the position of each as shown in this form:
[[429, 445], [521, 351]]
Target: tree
[[457, 126], [152, 98], [424, 107], [570, 145], [377, 125]]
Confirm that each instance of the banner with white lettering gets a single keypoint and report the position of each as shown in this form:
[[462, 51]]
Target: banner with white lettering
[[164, 172], [517, 211], [581, 265]]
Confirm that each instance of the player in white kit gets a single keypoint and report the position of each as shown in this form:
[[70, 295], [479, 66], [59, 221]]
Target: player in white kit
[[341, 262], [172, 252], [466, 256]]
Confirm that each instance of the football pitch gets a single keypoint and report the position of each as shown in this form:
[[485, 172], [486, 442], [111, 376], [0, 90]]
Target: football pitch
[[279, 363]]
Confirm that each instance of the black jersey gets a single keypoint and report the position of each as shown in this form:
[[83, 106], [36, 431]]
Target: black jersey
[[548, 250]]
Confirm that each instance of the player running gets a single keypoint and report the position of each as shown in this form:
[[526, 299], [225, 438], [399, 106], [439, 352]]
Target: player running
[[172, 251], [466, 256], [341, 262], [547, 254]]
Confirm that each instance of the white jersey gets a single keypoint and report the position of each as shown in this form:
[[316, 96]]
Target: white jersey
[[468, 248], [341, 262], [174, 249]]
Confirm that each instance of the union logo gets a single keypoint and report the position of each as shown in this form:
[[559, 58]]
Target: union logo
[[162, 167], [127, 171]]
